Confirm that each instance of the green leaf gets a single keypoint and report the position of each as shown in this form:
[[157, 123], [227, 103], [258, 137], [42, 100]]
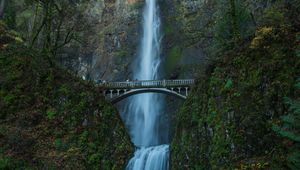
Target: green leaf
[[51, 114], [228, 84], [58, 143], [294, 160]]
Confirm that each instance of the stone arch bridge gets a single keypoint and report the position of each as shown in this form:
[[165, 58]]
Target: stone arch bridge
[[117, 91]]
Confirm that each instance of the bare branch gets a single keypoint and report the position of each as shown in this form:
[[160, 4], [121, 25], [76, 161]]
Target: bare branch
[[38, 32], [68, 38]]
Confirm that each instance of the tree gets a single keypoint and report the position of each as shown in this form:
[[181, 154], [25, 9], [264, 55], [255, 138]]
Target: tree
[[2, 4], [48, 25], [290, 128], [8, 13], [56, 33], [233, 23]]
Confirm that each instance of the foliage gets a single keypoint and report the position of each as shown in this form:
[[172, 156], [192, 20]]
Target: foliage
[[227, 121], [172, 58], [233, 23], [290, 130], [290, 126], [51, 119], [50, 114], [10, 163], [49, 25], [228, 84]]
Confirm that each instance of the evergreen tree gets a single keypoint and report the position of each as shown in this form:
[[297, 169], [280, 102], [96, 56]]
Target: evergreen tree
[[233, 23], [290, 128]]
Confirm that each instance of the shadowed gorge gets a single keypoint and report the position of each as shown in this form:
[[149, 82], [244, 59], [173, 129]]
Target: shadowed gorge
[[150, 84]]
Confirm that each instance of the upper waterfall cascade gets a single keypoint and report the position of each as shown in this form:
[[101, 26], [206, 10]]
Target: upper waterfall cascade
[[143, 111]]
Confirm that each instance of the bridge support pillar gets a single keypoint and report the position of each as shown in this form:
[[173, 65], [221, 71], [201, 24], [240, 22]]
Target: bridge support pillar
[[186, 91], [179, 89], [111, 93], [118, 92]]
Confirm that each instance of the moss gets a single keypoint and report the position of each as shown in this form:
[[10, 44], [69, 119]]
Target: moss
[[227, 121], [172, 58], [122, 53], [133, 5], [53, 119], [168, 29]]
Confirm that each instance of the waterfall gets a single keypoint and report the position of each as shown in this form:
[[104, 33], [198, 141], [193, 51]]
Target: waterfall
[[143, 111]]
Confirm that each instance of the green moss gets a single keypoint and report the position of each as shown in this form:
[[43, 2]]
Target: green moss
[[172, 58], [136, 5], [49, 115], [7, 162], [9, 99], [122, 53], [168, 29], [227, 122]]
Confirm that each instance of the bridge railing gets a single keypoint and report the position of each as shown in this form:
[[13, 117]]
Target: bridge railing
[[147, 84]]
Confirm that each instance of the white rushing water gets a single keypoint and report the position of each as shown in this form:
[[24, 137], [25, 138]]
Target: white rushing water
[[143, 111]]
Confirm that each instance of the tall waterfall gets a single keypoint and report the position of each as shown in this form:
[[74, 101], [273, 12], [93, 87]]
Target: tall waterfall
[[143, 111]]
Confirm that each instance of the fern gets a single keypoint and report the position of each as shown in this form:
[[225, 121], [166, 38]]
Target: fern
[[290, 129], [293, 160]]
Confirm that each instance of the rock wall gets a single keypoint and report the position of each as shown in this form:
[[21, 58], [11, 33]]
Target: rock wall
[[227, 121], [110, 42], [193, 30]]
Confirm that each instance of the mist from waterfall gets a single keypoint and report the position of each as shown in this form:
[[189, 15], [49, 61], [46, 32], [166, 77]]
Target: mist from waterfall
[[143, 111]]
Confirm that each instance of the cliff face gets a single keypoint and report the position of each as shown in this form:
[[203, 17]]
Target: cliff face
[[107, 33], [194, 29], [184, 43], [118, 39], [243, 55], [227, 121], [110, 42]]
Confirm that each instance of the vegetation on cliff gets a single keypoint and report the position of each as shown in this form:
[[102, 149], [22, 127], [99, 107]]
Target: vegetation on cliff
[[51, 119], [243, 113], [239, 116]]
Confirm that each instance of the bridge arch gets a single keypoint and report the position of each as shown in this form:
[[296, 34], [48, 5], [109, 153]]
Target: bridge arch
[[147, 90]]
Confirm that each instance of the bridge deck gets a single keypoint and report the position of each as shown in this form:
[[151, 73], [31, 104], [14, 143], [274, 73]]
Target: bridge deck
[[147, 84]]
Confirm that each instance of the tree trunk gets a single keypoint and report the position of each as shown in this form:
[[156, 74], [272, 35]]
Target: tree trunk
[[2, 4], [235, 30]]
